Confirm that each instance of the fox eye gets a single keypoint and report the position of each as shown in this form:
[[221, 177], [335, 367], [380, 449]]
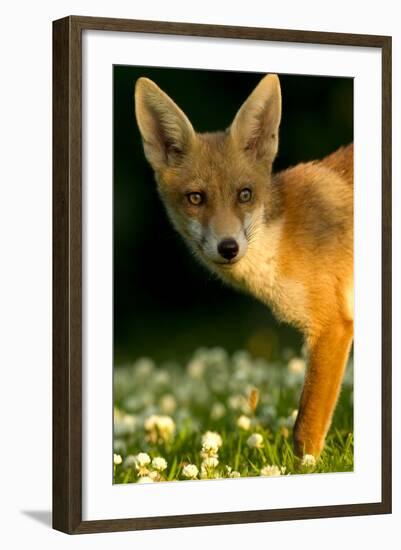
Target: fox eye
[[196, 198], [245, 195]]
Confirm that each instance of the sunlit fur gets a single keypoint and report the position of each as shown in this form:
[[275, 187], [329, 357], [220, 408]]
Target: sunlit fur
[[295, 235]]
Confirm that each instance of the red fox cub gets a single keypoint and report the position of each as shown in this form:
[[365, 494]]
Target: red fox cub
[[285, 238]]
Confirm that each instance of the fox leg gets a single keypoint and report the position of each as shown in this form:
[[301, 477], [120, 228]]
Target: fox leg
[[328, 354]]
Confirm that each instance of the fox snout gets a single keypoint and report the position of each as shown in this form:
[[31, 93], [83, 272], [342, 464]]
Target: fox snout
[[215, 244], [228, 249], [224, 250]]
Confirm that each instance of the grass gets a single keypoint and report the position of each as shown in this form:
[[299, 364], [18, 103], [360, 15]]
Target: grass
[[166, 410]]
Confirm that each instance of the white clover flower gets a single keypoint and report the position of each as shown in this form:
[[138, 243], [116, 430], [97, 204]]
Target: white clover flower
[[244, 422], [129, 421], [218, 410], [159, 428], [154, 475], [124, 424], [190, 471], [209, 448], [166, 427], [309, 461], [145, 479], [271, 471], [142, 459], [117, 459], [118, 414], [231, 472], [144, 367], [129, 462], [213, 439], [161, 377], [201, 354], [168, 404], [255, 441], [242, 360], [240, 403], [210, 462], [217, 355], [296, 365], [151, 422], [196, 368], [235, 401], [208, 468], [159, 463]]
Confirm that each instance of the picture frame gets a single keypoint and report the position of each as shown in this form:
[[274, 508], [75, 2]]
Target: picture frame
[[69, 292]]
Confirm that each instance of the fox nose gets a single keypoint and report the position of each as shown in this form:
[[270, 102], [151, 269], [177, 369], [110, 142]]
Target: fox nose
[[228, 248]]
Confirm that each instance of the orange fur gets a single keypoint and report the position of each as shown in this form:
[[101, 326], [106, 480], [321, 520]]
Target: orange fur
[[324, 266]]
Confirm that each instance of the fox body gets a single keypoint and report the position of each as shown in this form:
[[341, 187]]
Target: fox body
[[285, 238]]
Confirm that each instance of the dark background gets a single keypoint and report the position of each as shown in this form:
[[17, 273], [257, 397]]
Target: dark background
[[165, 303]]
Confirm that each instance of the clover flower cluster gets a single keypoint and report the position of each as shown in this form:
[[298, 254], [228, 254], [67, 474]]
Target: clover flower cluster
[[160, 428], [215, 417], [147, 469]]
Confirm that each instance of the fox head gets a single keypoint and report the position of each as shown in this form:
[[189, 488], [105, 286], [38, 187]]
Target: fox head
[[216, 187]]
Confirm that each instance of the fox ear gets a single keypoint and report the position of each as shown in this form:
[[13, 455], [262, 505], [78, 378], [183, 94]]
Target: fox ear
[[166, 132], [255, 127]]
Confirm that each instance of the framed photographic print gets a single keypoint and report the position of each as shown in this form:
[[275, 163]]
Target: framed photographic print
[[221, 215]]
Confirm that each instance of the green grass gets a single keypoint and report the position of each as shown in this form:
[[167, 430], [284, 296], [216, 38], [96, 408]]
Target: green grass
[[210, 393]]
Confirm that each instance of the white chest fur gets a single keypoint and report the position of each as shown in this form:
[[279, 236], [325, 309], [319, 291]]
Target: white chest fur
[[257, 273]]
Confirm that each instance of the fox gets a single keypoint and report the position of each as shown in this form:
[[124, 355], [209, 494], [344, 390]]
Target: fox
[[285, 238]]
